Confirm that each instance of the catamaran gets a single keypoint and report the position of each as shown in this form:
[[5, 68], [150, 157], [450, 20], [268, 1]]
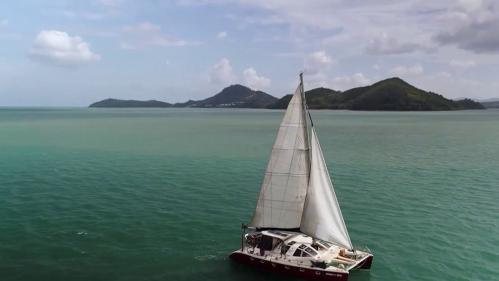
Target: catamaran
[[297, 227]]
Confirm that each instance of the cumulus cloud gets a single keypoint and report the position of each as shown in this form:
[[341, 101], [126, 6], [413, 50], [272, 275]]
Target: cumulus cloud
[[221, 35], [414, 25], [347, 82], [316, 66], [146, 34], [58, 47], [386, 45], [401, 70], [472, 26], [255, 81], [317, 62], [222, 73]]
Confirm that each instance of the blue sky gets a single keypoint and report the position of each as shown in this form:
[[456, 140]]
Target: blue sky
[[72, 53]]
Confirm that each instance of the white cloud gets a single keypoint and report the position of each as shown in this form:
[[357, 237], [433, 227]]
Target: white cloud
[[401, 70], [255, 81], [146, 34], [316, 80], [470, 5], [471, 25], [348, 82], [221, 35], [316, 66], [222, 73], [59, 48], [311, 24], [317, 62], [414, 25]]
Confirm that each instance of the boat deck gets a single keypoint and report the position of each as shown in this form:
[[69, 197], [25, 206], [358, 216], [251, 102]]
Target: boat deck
[[298, 249]]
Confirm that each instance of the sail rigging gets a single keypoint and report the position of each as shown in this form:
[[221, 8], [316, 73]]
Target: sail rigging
[[285, 183]]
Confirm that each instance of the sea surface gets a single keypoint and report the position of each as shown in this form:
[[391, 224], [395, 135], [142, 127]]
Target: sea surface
[[160, 194]]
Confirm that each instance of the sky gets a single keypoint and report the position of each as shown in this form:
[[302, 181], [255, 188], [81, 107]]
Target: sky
[[73, 53]]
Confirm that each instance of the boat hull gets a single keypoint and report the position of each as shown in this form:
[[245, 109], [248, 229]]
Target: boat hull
[[281, 268], [366, 264]]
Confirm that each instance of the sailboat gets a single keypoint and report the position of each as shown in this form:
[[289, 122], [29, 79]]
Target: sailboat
[[297, 227]]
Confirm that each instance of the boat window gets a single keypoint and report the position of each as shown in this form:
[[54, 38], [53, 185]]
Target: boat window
[[305, 254], [325, 244], [284, 249], [282, 234], [297, 253], [302, 247], [266, 243], [318, 246], [311, 251]]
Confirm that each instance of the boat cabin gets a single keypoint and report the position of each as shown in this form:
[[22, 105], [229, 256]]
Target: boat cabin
[[267, 240], [290, 244]]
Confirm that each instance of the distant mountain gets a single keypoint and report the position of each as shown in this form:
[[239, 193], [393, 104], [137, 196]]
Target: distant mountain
[[490, 104], [234, 96], [393, 94], [188, 103], [488, 100], [129, 103], [469, 104], [237, 96]]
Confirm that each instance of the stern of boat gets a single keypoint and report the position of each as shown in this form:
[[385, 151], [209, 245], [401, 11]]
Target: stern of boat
[[237, 255]]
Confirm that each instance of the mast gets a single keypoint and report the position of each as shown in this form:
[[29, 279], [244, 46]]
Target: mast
[[302, 87], [305, 102]]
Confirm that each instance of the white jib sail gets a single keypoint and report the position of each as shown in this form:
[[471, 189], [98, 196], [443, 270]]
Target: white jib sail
[[322, 217], [284, 186]]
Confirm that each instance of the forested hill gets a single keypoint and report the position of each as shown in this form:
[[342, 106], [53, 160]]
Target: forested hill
[[393, 94]]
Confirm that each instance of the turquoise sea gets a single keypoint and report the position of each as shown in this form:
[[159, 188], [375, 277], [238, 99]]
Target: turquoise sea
[[159, 194]]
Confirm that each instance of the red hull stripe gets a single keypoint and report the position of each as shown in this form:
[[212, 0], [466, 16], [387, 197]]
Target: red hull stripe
[[307, 273]]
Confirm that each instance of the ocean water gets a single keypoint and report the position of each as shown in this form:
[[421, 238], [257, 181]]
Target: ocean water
[[159, 194]]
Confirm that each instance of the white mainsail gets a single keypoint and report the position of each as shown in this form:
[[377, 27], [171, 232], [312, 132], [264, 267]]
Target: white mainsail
[[284, 186], [322, 216]]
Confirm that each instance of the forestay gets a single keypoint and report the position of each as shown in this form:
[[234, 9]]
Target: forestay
[[322, 216], [284, 186]]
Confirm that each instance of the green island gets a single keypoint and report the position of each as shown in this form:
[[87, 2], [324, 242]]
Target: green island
[[393, 94]]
